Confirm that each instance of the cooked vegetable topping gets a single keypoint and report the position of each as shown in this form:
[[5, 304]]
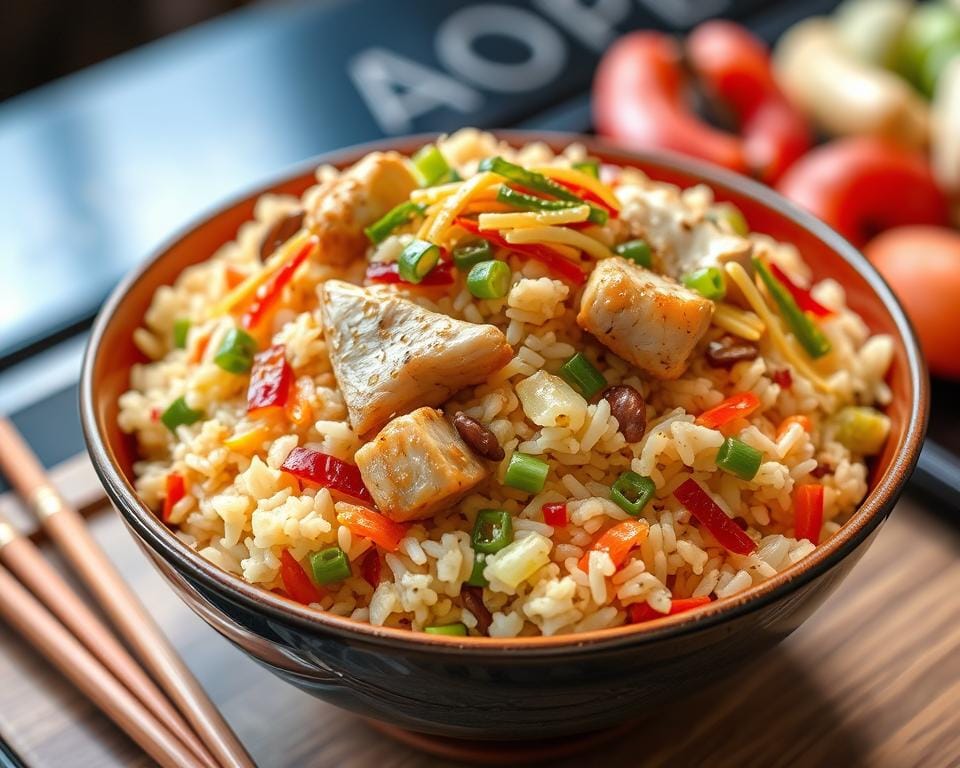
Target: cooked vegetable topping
[[236, 351], [179, 413], [526, 473], [555, 514], [708, 282], [637, 251], [416, 260], [738, 458], [296, 583], [861, 429], [492, 531], [181, 327], [388, 273], [802, 296], [402, 214], [629, 409], [270, 380], [617, 542], [528, 179], [330, 565], [737, 406], [489, 279], [470, 254], [477, 579], [727, 533], [641, 612], [632, 492], [808, 512], [328, 472], [176, 490], [518, 561], [582, 375], [525, 202], [728, 214], [370, 568], [811, 338], [589, 167], [478, 437], [431, 166], [269, 292], [456, 630], [361, 521]]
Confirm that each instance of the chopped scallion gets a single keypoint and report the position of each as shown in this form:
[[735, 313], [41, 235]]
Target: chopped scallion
[[729, 214], [417, 260], [581, 374], [739, 459], [492, 531], [431, 166], [708, 282], [381, 229], [178, 413], [469, 254], [526, 473], [811, 338], [236, 351], [637, 251], [458, 629], [329, 565], [181, 327], [477, 579], [632, 492], [529, 179], [489, 279]]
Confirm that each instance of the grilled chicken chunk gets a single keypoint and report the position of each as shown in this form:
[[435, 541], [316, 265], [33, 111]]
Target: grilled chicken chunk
[[390, 355], [357, 198], [418, 465], [645, 318]]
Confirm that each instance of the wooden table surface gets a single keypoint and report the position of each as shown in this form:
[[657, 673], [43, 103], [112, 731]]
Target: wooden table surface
[[872, 679]]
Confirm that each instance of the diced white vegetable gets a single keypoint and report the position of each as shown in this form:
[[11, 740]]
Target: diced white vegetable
[[549, 401], [517, 562]]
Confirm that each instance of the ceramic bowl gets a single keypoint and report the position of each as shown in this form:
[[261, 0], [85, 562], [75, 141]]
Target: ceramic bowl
[[483, 688]]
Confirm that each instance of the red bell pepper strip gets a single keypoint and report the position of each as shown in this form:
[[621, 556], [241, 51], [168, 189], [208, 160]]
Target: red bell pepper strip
[[560, 266], [862, 185], [802, 296], [783, 377], [617, 542], [388, 273], [176, 490], [639, 100], [734, 67], [555, 514], [271, 380], [369, 524], [370, 568], [328, 472], [296, 582], [268, 294], [703, 508], [736, 406], [641, 612], [808, 512]]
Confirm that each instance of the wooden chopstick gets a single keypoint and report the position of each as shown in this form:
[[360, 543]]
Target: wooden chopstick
[[23, 612], [24, 560], [68, 531]]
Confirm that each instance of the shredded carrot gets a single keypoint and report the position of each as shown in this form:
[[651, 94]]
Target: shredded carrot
[[617, 542], [800, 419]]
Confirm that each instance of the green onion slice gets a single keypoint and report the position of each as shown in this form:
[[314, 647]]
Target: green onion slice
[[492, 531], [708, 282], [457, 630], [179, 413], [477, 579], [739, 459], [181, 327], [632, 492], [236, 351], [469, 254], [811, 338], [637, 251], [489, 279], [431, 166], [581, 374], [398, 216], [525, 202], [528, 179], [417, 260], [329, 565], [526, 473]]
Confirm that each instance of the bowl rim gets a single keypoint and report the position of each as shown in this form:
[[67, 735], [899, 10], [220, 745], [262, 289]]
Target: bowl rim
[[868, 516]]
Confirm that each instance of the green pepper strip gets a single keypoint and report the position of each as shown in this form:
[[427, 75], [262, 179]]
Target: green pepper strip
[[531, 203], [381, 229], [808, 334]]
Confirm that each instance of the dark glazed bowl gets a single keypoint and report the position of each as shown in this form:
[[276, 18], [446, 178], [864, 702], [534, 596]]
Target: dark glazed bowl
[[528, 687]]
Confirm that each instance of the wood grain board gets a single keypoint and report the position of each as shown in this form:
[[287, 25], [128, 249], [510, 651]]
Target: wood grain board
[[872, 679]]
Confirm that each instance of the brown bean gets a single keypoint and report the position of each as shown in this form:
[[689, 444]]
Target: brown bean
[[629, 409], [724, 352], [478, 437], [281, 231], [473, 601]]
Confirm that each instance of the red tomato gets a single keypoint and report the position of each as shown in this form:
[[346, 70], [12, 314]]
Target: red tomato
[[922, 265]]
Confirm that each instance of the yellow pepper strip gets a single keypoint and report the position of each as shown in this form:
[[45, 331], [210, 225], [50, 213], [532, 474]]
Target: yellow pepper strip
[[573, 176], [739, 322], [248, 441], [454, 204], [534, 218], [246, 290], [739, 275], [559, 235], [487, 206]]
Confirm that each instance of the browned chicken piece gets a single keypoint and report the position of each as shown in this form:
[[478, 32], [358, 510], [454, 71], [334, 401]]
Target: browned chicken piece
[[390, 355], [354, 200], [418, 465], [645, 318]]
